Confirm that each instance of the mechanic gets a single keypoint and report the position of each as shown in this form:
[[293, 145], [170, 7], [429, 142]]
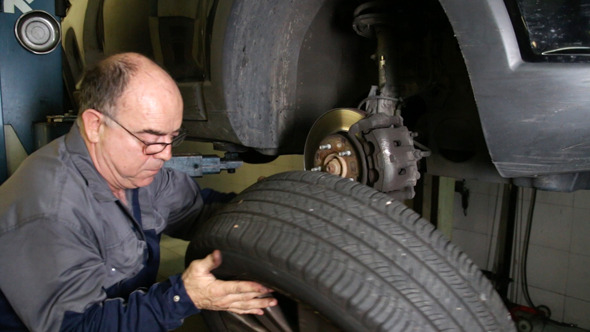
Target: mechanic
[[81, 219]]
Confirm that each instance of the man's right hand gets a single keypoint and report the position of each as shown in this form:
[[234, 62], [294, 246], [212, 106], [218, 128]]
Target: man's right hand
[[209, 293]]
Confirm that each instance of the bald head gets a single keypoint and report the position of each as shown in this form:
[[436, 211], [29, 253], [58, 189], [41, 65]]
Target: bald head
[[104, 84], [127, 103]]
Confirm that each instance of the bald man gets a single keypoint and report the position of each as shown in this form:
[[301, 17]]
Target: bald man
[[81, 219]]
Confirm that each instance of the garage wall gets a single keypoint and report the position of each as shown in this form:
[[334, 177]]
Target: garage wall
[[558, 271], [559, 252]]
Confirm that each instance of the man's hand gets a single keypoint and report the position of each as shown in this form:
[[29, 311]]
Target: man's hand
[[241, 297]]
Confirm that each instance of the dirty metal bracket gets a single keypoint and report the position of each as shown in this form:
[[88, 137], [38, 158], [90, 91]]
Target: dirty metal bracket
[[196, 165]]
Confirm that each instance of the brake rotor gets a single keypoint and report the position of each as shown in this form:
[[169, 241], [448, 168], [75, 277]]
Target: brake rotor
[[328, 147]]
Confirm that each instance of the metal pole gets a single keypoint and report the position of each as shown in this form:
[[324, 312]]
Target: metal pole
[[506, 239], [386, 64], [3, 161]]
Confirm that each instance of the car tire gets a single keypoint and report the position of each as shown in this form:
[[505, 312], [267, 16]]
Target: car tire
[[344, 255]]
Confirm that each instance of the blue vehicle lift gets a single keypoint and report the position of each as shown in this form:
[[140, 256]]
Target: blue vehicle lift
[[31, 85]]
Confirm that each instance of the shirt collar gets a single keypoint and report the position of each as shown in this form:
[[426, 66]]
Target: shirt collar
[[81, 158]]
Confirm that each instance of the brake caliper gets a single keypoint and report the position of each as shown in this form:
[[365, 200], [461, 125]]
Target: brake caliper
[[392, 159]]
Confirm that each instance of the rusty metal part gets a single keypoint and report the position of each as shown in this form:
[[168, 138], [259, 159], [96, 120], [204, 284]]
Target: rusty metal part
[[392, 159], [377, 150], [336, 155], [329, 149]]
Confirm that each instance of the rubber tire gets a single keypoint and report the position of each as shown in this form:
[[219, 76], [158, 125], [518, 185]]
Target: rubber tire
[[362, 260]]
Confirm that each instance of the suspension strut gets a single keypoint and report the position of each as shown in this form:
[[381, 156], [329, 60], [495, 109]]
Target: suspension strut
[[392, 159]]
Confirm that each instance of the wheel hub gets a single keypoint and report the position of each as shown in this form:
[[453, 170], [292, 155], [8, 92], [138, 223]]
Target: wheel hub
[[376, 150], [336, 155], [328, 147]]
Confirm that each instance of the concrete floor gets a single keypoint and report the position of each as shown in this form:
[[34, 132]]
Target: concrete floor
[[550, 327]]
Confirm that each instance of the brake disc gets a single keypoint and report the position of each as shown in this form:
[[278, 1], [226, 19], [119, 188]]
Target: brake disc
[[375, 149]]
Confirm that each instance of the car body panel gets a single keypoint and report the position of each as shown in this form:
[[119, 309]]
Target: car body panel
[[535, 115]]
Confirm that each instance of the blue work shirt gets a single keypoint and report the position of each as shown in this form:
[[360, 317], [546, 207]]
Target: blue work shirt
[[74, 257]]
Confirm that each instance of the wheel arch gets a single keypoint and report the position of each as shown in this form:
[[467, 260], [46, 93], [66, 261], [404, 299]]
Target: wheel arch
[[276, 67]]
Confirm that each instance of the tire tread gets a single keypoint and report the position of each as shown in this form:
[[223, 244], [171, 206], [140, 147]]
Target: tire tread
[[361, 251]]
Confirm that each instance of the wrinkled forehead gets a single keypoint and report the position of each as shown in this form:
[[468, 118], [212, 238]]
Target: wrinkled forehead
[[152, 95]]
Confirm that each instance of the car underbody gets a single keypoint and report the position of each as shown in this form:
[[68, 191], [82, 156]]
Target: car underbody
[[258, 76]]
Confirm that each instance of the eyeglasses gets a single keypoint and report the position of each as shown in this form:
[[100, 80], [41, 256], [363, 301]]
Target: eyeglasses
[[156, 147]]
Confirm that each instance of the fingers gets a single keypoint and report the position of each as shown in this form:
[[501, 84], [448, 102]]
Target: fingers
[[236, 296], [244, 287], [209, 293], [211, 262], [246, 304], [216, 257], [239, 293]]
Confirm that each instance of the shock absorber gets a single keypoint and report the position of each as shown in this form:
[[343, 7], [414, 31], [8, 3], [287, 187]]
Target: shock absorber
[[392, 159], [376, 20]]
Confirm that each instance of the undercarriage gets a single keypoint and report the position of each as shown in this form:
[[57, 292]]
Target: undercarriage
[[370, 144]]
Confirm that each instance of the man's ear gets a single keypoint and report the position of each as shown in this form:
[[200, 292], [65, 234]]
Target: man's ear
[[92, 120]]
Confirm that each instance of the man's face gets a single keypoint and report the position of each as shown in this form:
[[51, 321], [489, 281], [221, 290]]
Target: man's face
[[151, 109]]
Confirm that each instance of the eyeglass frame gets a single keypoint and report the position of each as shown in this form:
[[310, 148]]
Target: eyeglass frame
[[175, 140]]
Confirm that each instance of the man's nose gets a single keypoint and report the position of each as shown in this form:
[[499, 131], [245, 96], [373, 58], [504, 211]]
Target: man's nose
[[165, 154]]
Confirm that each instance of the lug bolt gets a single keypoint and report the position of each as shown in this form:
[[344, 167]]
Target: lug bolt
[[316, 169], [325, 147], [345, 153]]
